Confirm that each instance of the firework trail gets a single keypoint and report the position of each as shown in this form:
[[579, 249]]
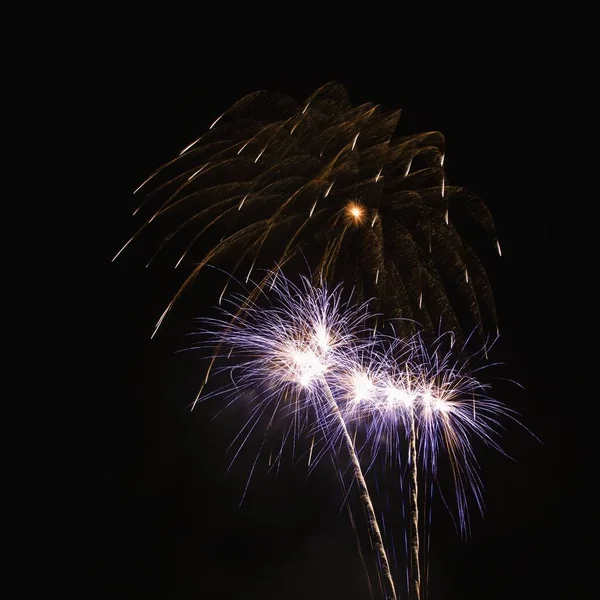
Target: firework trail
[[414, 507], [364, 490], [274, 181]]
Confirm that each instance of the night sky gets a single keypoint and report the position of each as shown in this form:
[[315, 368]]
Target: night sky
[[144, 508]]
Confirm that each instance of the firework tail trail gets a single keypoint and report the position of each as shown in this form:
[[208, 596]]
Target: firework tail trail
[[365, 496], [414, 508]]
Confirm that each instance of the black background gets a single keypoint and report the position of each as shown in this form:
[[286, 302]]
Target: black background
[[144, 507]]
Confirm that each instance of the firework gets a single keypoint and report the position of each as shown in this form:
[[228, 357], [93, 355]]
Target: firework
[[423, 400], [274, 181], [328, 184], [399, 385], [319, 369], [290, 350]]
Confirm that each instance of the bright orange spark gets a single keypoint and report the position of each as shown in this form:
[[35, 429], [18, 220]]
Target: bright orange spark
[[355, 211]]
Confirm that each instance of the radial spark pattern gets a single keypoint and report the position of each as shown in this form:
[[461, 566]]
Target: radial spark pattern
[[304, 358]]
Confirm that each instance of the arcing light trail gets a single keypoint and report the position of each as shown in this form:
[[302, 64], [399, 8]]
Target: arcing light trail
[[274, 180], [310, 359]]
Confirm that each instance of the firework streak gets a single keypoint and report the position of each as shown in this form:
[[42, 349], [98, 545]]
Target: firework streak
[[274, 181]]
